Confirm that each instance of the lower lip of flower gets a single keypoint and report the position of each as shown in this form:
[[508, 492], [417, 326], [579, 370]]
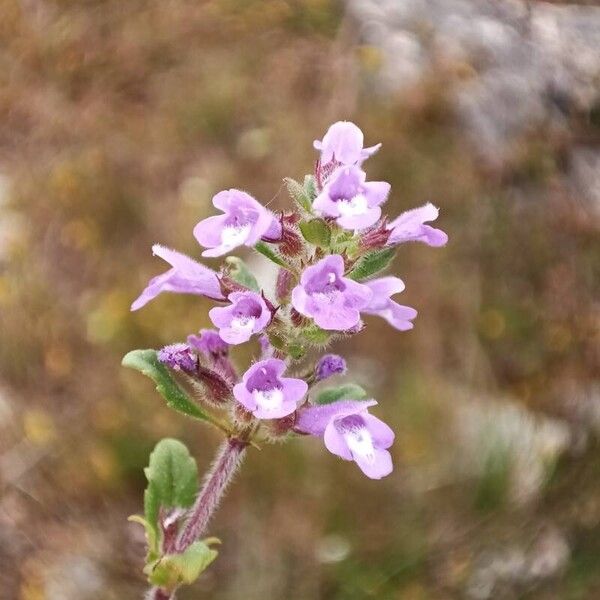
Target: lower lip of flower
[[268, 400], [234, 235], [243, 323], [360, 443], [353, 207]]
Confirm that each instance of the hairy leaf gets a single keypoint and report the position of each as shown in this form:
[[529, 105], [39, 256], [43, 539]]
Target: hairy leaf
[[349, 391], [271, 254], [298, 194], [147, 363], [372, 263], [239, 272], [310, 187], [176, 569], [317, 232]]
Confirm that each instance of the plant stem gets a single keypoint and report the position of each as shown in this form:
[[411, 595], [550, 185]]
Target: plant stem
[[224, 467]]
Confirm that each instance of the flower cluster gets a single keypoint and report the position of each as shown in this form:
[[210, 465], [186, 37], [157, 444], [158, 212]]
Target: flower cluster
[[330, 252]]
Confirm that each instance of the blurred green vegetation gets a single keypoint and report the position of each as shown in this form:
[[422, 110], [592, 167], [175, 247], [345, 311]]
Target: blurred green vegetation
[[118, 122]]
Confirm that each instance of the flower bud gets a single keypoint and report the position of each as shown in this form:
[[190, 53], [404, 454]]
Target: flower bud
[[328, 366], [285, 282], [179, 357]]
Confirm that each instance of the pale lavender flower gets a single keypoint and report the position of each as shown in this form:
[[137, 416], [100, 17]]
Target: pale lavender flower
[[178, 356], [268, 395], [246, 315], [185, 277], [410, 227], [343, 143], [333, 301], [328, 366], [210, 344], [350, 432], [352, 201], [381, 304], [244, 222]]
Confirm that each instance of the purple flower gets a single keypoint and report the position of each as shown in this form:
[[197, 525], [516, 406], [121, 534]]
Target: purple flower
[[178, 356], [209, 342], [328, 366], [343, 143], [410, 227], [351, 200], [266, 394], [185, 277], [333, 301], [247, 314], [382, 305], [350, 432], [244, 222]]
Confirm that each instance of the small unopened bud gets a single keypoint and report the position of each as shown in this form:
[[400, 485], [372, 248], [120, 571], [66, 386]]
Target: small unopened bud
[[179, 357], [218, 391], [285, 282], [328, 366], [291, 242]]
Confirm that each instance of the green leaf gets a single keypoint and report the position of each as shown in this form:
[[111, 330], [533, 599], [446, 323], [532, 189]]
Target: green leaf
[[298, 194], [349, 391], [273, 256], [372, 263], [239, 271], [151, 536], [176, 569], [172, 477], [317, 232], [147, 363], [310, 187]]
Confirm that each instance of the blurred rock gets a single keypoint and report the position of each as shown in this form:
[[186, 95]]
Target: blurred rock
[[514, 568], [528, 64], [503, 436], [585, 176]]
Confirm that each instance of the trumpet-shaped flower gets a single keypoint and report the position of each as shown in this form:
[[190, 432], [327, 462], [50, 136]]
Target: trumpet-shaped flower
[[333, 301], [397, 315], [343, 144], [246, 315], [352, 201], [350, 432], [185, 277], [266, 394], [410, 227], [244, 222]]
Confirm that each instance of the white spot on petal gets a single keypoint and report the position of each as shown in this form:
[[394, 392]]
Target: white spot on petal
[[360, 443], [232, 237], [268, 400], [353, 207], [243, 323]]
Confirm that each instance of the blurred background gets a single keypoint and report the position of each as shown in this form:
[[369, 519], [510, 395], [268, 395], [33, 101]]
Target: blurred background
[[120, 120]]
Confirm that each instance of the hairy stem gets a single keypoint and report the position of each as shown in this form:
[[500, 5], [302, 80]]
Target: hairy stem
[[224, 467]]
